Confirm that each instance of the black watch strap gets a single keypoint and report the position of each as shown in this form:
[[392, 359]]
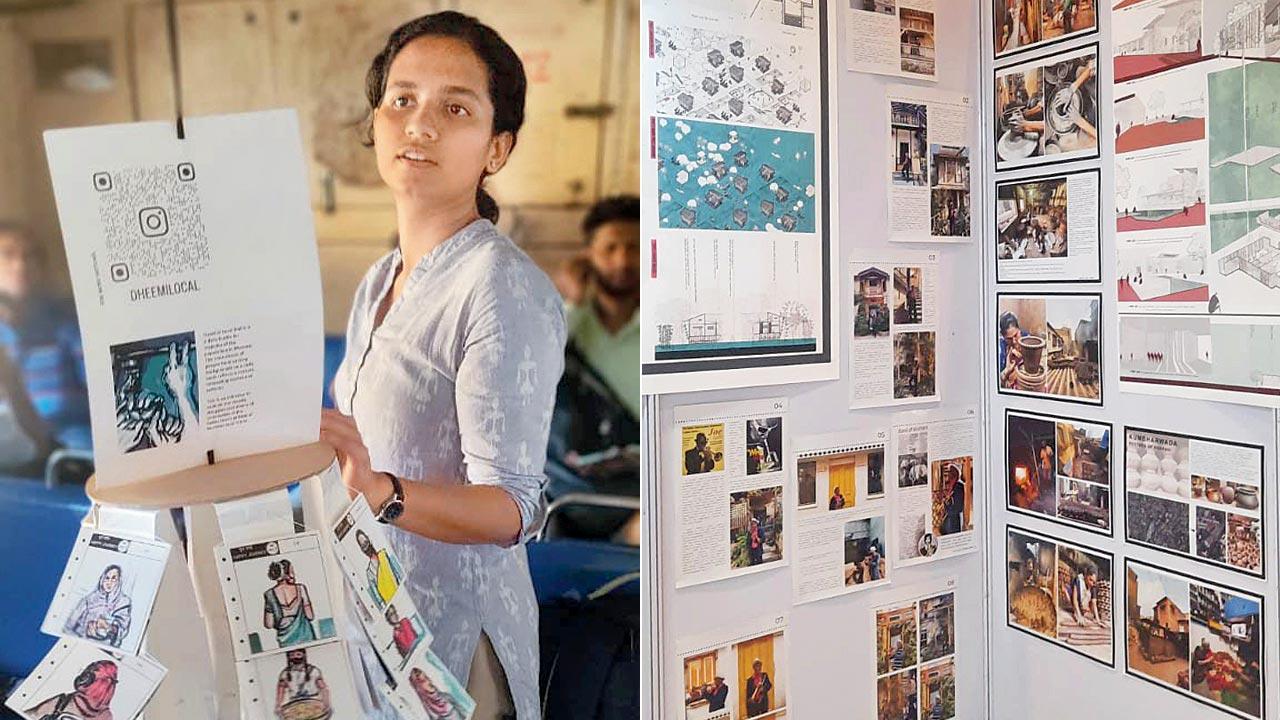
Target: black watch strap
[[392, 507]]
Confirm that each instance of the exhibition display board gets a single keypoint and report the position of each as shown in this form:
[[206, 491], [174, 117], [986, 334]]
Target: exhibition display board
[[851, 569], [1086, 188]]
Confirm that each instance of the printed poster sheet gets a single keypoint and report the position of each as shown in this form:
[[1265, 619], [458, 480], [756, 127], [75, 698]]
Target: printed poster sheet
[[842, 514], [1061, 593], [1022, 25], [1196, 497], [108, 589], [76, 674], [893, 354], [738, 194], [197, 287], [736, 673], [1195, 638], [732, 461], [915, 654], [1048, 228], [1046, 110], [1049, 345], [1197, 198], [1059, 468], [934, 509], [891, 37], [930, 132]]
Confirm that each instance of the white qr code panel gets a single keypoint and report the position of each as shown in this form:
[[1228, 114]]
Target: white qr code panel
[[151, 221]]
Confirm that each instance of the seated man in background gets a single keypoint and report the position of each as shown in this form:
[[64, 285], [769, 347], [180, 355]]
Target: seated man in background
[[595, 432], [42, 381]]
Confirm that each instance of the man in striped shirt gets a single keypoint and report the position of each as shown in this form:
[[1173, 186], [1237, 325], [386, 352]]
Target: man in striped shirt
[[42, 381]]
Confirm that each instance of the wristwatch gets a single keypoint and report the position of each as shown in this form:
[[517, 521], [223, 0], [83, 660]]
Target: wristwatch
[[393, 507]]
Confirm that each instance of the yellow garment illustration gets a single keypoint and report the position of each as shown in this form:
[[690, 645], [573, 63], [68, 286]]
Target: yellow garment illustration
[[387, 580]]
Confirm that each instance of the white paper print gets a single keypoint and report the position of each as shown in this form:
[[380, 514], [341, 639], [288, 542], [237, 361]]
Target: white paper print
[[1050, 345], [1062, 593], [261, 516], [389, 616], [891, 37], [426, 689], [1047, 228], [842, 530], [915, 653], [893, 354], [736, 672], [732, 462], [277, 594], [1196, 206], [1196, 496], [935, 513], [1025, 24], [929, 182], [737, 194], [702, 72], [1046, 110], [78, 680], [1059, 468], [177, 326], [312, 682], [107, 590]]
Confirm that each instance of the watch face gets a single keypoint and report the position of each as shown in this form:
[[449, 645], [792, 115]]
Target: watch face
[[392, 511]]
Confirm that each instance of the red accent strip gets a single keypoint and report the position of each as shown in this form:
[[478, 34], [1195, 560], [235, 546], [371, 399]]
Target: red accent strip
[[653, 258], [653, 138], [651, 39]]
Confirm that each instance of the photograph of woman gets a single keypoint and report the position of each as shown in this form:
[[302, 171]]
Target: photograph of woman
[[455, 344], [287, 606], [104, 613], [439, 704]]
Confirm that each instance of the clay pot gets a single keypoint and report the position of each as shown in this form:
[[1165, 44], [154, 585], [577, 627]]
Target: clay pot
[[1247, 498], [1032, 352]]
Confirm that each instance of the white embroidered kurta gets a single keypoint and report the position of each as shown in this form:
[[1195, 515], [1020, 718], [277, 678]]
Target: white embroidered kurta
[[458, 382]]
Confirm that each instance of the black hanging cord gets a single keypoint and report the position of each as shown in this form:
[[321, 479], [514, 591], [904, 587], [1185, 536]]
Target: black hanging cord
[[171, 17]]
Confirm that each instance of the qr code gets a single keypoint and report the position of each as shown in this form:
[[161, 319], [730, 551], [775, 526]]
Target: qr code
[[151, 221]]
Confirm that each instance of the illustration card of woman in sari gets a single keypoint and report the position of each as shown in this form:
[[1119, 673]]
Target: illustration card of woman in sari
[[107, 591], [277, 594]]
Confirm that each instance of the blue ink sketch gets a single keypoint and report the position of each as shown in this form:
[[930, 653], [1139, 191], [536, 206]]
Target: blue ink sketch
[[730, 177]]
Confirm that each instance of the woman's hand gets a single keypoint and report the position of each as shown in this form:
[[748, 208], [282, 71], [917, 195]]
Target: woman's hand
[[340, 431]]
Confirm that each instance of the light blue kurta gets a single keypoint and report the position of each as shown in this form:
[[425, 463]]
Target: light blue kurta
[[459, 382]]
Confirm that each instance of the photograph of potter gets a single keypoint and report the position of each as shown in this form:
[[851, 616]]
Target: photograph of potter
[[1050, 345], [1059, 469], [1046, 110], [1197, 497]]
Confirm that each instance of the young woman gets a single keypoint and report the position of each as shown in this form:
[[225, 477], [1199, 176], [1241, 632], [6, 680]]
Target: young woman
[[454, 348]]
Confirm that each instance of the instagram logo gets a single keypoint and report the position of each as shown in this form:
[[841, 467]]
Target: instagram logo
[[154, 221]]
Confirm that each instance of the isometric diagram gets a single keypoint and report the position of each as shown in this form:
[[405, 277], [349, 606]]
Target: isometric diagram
[[732, 177], [708, 75]]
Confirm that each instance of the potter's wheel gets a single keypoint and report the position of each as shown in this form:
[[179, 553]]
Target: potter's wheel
[[1015, 147], [1031, 381]]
